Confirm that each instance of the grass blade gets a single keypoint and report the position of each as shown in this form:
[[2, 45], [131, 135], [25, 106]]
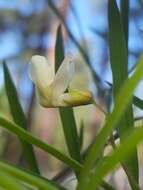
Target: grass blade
[[138, 102], [81, 135], [106, 186], [69, 127], [26, 136], [113, 119], [29, 178], [66, 114], [59, 48], [123, 152], [124, 4], [19, 118], [119, 66], [9, 182]]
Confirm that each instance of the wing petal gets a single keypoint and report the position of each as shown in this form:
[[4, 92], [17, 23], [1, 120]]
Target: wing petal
[[64, 75]]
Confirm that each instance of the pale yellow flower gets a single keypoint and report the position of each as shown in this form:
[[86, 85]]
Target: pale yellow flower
[[54, 89]]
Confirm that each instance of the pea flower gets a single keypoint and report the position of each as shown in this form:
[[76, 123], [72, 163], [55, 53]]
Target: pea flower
[[54, 89]]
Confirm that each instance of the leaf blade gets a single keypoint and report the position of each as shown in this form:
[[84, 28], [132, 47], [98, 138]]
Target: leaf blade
[[124, 4], [9, 182], [71, 136], [134, 137], [138, 102], [28, 177], [24, 135], [19, 118], [119, 65], [66, 114], [113, 119]]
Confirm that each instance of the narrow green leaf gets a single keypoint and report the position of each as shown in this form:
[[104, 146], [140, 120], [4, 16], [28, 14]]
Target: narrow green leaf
[[138, 102], [106, 186], [124, 4], [123, 152], [119, 66], [59, 48], [8, 182], [69, 127], [67, 115], [81, 135], [36, 180], [113, 119], [19, 118], [24, 135], [29, 178]]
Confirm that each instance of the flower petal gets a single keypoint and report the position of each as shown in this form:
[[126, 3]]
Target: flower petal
[[64, 75], [76, 98], [83, 78], [41, 73]]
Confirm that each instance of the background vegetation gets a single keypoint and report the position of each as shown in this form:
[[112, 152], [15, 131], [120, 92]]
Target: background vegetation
[[80, 147]]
